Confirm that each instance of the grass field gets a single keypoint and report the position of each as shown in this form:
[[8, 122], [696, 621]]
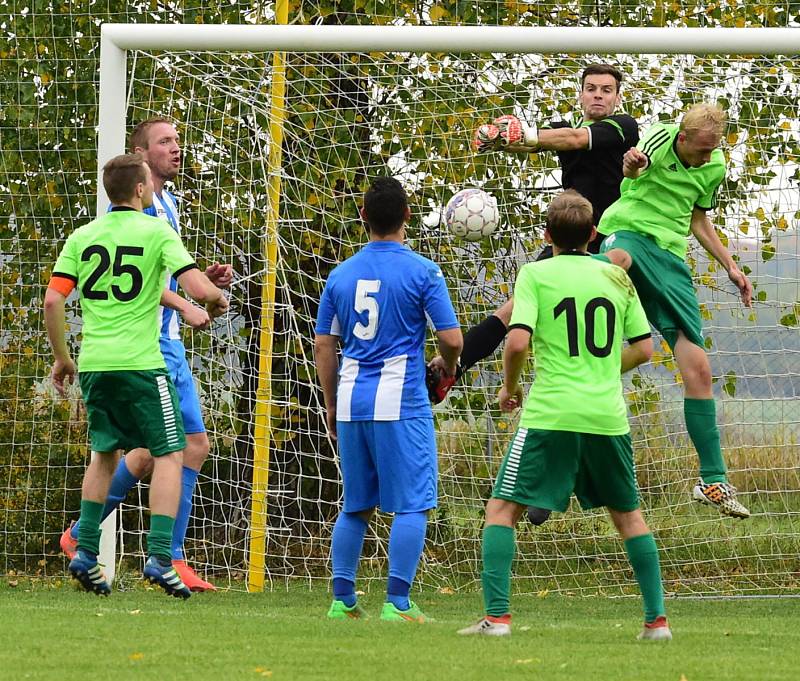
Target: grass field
[[52, 632]]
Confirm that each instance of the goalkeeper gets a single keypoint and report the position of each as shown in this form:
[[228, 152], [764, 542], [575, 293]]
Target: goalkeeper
[[574, 433]]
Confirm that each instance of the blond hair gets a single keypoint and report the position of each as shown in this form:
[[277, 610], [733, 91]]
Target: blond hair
[[704, 117]]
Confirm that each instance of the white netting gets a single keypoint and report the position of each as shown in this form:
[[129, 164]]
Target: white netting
[[350, 117]]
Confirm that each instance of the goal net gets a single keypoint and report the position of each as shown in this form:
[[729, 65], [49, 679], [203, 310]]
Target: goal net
[[347, 118]]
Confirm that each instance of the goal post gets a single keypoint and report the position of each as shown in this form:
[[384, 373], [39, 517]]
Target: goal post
[[478, 275]]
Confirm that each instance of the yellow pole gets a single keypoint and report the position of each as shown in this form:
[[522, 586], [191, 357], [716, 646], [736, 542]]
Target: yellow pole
[[262, 432]]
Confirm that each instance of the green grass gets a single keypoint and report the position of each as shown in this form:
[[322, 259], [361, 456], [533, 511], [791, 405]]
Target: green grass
[[55, 632]]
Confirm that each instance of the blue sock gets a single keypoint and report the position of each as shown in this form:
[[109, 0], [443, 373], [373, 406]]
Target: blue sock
[[121, 484], [406, 541], [346, 543], [188, 482]]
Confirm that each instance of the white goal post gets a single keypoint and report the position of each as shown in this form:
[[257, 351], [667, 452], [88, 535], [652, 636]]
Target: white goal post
[[118, 39]]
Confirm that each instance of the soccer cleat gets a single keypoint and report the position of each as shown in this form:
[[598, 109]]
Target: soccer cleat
[[489, 626], [391, 613], [657, 630], [439, 383], [68, 545], [85, 569], [339, 611], [165, 576], [190, 579], [722, 495]]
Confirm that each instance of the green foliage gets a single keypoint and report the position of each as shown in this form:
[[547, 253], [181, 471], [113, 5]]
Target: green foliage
[[335, 141]]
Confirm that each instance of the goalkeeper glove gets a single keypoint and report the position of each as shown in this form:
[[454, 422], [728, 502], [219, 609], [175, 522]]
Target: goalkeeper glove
[[487, 138], [439, 383], [516, 132]]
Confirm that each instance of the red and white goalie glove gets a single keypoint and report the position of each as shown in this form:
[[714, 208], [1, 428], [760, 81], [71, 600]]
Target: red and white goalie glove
[[487, 138], [515, 132]]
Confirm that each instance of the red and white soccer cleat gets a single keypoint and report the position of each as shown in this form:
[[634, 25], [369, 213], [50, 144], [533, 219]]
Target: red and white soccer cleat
[[190, 579], [489, 626], [657, 630]]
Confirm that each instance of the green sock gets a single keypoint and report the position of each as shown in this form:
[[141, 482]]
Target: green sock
[[89, 531], [498, 554], [159, 541], [643, 555], [701, 422]]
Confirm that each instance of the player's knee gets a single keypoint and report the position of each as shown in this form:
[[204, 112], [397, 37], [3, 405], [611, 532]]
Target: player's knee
[[503, 512], [629, 523], [196, 451], [696, 374], [139, 463]]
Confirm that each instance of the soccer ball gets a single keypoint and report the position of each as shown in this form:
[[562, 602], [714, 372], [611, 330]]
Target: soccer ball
[[472, 214]]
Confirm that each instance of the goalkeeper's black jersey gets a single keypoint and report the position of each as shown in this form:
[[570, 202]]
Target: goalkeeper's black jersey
[[596, 172]]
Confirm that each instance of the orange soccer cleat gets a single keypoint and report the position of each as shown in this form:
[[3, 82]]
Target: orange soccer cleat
[[189, 577]]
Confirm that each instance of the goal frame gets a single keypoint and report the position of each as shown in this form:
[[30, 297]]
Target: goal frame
[[117, 39]]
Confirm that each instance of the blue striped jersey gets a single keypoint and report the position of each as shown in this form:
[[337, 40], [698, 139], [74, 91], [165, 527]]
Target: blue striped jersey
[[380, 302], [166, 206]]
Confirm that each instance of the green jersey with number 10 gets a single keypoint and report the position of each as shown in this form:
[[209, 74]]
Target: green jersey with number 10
[[578, 309], [118, 263]]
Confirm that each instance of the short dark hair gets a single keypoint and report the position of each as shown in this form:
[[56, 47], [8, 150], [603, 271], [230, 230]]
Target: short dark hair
[[385, 206], [602, 70], [138, 137], [121, 175], [570, 220]]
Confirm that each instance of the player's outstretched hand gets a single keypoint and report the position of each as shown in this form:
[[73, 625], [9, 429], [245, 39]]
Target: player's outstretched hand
[[510, 399], [196, 317], [220, 275], [633, 161], [218, 307], [743, 284], [62, 375]]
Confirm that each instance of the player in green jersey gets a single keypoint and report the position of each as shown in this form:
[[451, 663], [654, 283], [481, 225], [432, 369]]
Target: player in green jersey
[[573, 434], [671, 181], [118, 263]]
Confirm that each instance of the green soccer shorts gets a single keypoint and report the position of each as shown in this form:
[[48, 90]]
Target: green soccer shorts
[[543, 468], [130, 409], [664, 284]]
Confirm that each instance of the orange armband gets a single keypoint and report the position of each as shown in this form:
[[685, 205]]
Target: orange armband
[[62, 283]]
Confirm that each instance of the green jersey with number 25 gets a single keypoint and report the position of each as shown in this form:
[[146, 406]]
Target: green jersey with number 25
[[118, 263], [579, 309]]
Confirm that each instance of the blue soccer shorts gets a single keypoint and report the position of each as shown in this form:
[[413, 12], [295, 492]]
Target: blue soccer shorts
[[178, 368], [390, 464]]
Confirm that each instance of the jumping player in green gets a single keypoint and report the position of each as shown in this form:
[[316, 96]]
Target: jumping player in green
[[573, 434], [672, 179], [118, 262]]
